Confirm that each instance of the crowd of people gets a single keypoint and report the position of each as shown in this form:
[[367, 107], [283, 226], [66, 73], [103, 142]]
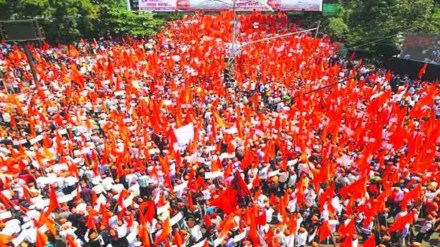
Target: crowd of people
[[173, 142]]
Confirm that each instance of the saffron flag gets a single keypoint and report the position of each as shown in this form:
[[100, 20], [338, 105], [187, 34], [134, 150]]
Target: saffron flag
[[324, 231], [422, 70], [166, 231], [53, 200]]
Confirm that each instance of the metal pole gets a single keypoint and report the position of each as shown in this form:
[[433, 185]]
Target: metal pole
[[30, 61], [277, 37], [234, 26], [234, 37], [317, 29], [128, 5]]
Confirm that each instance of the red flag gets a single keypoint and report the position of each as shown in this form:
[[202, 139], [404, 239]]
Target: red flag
[[347, 229], [261, 219], [414, 194], [148, 210], [121, 198], [105, 215], [370, 242], [91, 221], [70, 241], [190, 201], [348, 242], [400, 222], [53, 200], [324, 231], [226, 201], [26, 194], [422, 70], [207, 220], [94, 198], [388, 76], [6, 202], [178, 239], [242, 186], [12, 123]]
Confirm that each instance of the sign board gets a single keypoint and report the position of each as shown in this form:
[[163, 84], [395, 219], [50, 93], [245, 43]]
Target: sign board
[[158, 5], [20, 30], [220, 5]]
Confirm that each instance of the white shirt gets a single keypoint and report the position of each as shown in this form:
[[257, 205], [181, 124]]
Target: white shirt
[[107, 183], [196, 233], [122, 230], [134, 189], [301, 239]]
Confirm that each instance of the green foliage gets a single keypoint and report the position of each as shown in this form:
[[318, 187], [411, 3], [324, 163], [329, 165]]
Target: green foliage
[[377, 23], [68, 20], [436, 16], [122, 21], [337, 28], [356, 22]]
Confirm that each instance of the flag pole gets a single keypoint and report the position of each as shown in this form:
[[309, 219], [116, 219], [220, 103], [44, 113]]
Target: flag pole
[[317, 29], [30, 61]]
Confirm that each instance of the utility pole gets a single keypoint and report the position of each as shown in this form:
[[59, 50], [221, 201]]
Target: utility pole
[[317, 29]]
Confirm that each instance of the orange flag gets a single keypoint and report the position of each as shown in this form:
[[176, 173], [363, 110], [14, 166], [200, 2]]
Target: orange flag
[[227, 225], [77, 76], [53, 200], [166, 231], [13, 123], [50, 223], [41, 239], [422, 70], [219, 120], [144, 236], [122, 196], [5, 239]]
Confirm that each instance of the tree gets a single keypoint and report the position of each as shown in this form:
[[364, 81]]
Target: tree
[[116, 19], [337, 28], [67, 20], [378, 22]]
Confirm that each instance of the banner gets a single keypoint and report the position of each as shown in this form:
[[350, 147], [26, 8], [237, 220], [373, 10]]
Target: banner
[[158, 5], [240, 5], [422, 48], [214, 5], [300, 5]]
